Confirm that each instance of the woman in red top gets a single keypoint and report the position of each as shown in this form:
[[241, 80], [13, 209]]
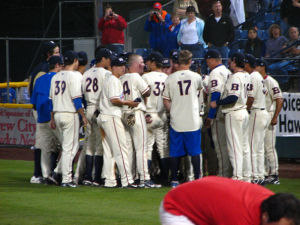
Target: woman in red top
[[112, 27]]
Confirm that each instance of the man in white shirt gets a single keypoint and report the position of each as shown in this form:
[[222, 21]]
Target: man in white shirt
[[66, 95], [180, 98], [256, 106]]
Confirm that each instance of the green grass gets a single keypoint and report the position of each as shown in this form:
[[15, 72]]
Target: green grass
[[24, 203]]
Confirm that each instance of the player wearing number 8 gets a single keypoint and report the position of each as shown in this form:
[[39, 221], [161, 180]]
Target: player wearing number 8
[[180, 98], [66, 94]]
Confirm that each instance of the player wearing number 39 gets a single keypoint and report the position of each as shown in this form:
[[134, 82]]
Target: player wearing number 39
[[66, 94], [237, 118], [180, 98]]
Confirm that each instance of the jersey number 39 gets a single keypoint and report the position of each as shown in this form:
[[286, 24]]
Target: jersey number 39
[[60, 87]]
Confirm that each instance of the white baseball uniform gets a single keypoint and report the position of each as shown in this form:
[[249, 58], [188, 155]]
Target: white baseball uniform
[[217, 79], [66, 86], [257, 124], [274, 93], [134, 87], [110, 121], [156, 131], [236, 124]]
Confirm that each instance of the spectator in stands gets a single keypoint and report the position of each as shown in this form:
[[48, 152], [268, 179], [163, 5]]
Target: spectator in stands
[[254, 45], [237, 12], [218, 30], [205, 8], [180, 7], [112, 27], [155, 24], [3, 95], [190, 36], [275, 42], [293, 51], [171, 35], [290, 12]]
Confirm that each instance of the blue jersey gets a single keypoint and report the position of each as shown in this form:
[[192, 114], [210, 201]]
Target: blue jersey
[[40, 97], [3, 95]]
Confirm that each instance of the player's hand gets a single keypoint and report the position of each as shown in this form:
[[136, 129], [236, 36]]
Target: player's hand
[[207, 122], [85, 121], [274, 121], [148, 118], [213, 104], [52, 124], [132, 104]]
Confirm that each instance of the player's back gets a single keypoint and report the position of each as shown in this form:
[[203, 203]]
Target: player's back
[[92, 83], [156, 81], [134, 87], [273, 92], [182, 88], [237, 84], [65, 86], [218, 78], [257, 90]]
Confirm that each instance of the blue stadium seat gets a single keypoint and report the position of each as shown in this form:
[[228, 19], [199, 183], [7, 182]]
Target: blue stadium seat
[[270, 16], [244, 34], [263, 34]]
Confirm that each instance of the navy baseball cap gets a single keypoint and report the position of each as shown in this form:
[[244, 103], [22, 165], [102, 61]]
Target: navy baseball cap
[[155, 57], [56, 59], [82, 58], [212, 54], [166, 63], [125, 55], [103, 52], [261, 62], [238, 58], [47, 46], [250, 59], [118, 61], [69, 57], [174, 55]]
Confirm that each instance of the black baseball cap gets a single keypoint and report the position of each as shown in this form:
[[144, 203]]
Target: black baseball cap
[[212, 54], [103, 52], [47, 46], [82, 58], [155, 57], [69, 57], [261, 62], [125, 55], [250, 59], [56, 59], [174, 55], [239, 59], [118, 61], [166, 63]]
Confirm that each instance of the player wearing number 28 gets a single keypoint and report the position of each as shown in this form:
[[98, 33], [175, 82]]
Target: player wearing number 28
[[66, 94], [180, 98]]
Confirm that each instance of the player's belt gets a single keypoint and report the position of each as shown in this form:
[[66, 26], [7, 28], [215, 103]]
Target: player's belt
[[258, 109]]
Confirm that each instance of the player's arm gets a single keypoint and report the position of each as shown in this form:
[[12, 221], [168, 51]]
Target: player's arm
[[79, 109], [120, 102], [230, 99], [215, 96], [167, 104], [279, 103], [249, 103]]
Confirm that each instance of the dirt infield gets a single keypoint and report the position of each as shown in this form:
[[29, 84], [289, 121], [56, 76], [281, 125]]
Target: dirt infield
[[287, 168]]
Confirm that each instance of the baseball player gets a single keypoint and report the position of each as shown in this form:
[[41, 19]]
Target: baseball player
[[111, 102], [66, 94], [135, 88], [256, 106], [180, 98], [92, 83], [155, 112], [274, 103], [49, 48], [216, 86], [82, 61], [40, 99], [236, 118]]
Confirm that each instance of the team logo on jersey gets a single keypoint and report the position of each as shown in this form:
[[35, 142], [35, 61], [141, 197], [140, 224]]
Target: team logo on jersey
[[276, 90], [214, 83], [235, 87]]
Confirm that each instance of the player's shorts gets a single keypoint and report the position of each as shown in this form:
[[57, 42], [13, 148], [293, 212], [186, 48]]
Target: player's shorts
[[182, 143]]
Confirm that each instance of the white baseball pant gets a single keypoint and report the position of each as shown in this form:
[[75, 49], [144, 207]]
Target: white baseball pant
[[236, 123], [270, 150], [257, 126], [170, 219], [68, 128], [115, 146]]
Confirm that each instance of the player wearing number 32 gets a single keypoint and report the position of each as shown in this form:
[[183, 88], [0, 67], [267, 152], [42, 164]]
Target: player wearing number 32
[[180, 98], [66, 94], [237, 118]]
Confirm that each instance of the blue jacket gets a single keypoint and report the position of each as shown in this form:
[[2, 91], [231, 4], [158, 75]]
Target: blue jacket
[[200, 28], [3, 95], [40, 97], [171, 40], [157, 32]]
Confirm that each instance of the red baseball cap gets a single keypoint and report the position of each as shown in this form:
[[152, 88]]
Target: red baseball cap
[[157, 5]]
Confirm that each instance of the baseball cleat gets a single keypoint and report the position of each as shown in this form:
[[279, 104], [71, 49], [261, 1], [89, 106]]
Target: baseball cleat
[[130, 186], [70, 184], [36, 180], [87, 183], [273, 180], [54, 178]]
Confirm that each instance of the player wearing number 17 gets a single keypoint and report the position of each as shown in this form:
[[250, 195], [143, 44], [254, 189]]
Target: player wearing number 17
[[66, 94], [180, 98]]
